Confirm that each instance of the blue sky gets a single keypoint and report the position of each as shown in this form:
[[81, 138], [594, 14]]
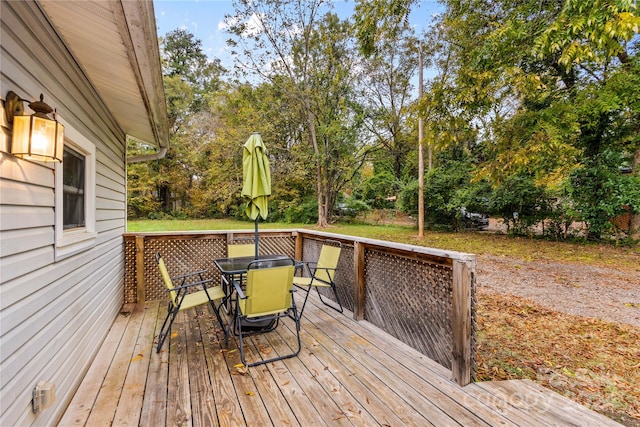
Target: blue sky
[[204, 19]]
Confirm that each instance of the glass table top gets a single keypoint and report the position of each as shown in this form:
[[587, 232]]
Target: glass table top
[[239, 265]]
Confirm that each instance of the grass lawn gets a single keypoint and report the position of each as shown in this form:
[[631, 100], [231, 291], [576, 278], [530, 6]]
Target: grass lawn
[[594, 362], [476, 243]]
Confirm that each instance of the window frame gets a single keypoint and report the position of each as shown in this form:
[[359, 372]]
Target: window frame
[[75, 240]]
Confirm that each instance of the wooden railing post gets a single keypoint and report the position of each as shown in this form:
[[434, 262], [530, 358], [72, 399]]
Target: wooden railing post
[[461, 321], [227, 242], [298, 247], [358, 292], [140, 285]]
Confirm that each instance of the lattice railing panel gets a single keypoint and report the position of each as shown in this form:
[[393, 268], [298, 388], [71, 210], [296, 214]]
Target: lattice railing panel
[[344, 278], [188, 254], [411, 300], [130, 292], [181, 256], [270, 245], [278, 244]]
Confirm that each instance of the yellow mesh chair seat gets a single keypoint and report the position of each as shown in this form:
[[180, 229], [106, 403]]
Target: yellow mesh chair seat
[[322, 274], [197, 298], [308, 281], [183, 296], [267, 299]]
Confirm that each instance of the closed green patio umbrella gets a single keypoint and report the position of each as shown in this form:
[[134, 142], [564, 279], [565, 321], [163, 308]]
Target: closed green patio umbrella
[[256, 180]]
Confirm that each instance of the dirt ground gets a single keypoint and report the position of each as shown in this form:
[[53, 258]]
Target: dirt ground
[[567, 344], [597, 292]]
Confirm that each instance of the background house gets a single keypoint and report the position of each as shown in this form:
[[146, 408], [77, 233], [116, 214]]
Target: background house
[[61, 270]]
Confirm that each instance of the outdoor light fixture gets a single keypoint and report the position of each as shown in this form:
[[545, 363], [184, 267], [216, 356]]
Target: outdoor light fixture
[[35, 137]]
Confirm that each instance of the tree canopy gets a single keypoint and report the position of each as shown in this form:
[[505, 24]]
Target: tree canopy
[[530, 107]]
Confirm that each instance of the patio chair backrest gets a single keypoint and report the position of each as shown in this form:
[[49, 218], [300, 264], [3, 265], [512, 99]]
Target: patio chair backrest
[[234, 251], [268, 290], [327, 263], [166, 278]]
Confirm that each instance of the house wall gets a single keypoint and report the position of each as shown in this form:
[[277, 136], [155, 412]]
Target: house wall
[[54, 315]]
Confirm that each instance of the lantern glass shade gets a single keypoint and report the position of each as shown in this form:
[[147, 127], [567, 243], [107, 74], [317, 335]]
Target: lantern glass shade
[[37, 138]]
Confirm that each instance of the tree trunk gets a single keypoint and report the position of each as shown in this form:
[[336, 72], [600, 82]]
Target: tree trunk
[[322, 219], [164, 196], [635, 219]]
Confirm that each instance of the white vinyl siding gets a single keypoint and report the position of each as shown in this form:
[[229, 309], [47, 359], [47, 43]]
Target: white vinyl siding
[[54, 315]]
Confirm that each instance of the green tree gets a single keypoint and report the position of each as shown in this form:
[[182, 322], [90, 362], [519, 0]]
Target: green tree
[[520, 202], [307, 55], [390, 61], [599, 38], [543, 112], [242, 110], [192, 83], [380, 187]]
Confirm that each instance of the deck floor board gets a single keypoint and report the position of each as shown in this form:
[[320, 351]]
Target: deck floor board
[[347, 373]]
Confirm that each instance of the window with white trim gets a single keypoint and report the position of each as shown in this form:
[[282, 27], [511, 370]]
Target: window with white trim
[[75, 196], [73, 203]]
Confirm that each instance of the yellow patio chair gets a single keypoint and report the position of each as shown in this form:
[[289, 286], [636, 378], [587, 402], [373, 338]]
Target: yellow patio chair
[[238, 250], [268, 298], [235, 251], [184, 296], [322, 274]]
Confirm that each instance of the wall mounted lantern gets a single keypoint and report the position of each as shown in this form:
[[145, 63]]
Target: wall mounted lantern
[[36, 137]]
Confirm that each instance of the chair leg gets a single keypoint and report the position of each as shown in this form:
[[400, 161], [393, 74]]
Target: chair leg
[[226, 288], [172, 312], [240, 341], [232, 328], [296, 318], [304, 304], [216, 311], [337, 308]]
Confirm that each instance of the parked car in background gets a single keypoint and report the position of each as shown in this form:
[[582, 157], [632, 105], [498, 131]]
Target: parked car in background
[[474, 220]]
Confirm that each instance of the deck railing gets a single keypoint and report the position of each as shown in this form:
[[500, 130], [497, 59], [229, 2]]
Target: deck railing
[[425, 297]]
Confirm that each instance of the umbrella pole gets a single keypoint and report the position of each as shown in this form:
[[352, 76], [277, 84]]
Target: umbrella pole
[[256, 237]]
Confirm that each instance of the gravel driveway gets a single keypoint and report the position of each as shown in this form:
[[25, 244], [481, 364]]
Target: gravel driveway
[[603, 293]]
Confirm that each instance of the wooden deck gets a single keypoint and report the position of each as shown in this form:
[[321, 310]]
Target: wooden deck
[[348, 373]]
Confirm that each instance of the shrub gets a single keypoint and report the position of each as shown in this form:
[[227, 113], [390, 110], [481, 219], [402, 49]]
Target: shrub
[[601, 193]]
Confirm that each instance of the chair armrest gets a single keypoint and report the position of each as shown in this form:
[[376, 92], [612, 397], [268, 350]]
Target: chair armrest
[[239, 291], [300, 265], [200, 282], [327, 269], [183, 276]]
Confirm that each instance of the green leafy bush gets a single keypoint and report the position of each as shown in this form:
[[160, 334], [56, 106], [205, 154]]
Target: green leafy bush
[[601, 193], [305, 213], [520, 203]]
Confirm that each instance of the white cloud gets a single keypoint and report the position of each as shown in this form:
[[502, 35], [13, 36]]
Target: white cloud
[[254, 26]]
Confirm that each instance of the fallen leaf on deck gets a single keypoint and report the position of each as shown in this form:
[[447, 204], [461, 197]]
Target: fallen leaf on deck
[[241, 369]]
